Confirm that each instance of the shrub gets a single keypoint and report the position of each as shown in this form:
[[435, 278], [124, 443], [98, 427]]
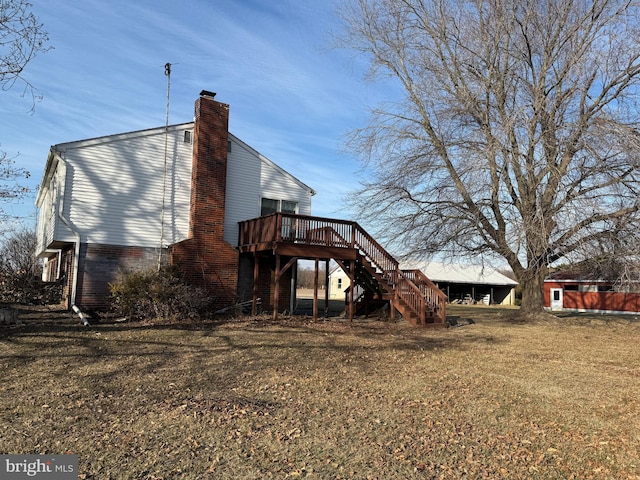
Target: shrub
[[156, 294], [28, 289]]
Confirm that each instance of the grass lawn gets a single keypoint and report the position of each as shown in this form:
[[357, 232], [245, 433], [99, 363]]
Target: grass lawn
[[248, 398]]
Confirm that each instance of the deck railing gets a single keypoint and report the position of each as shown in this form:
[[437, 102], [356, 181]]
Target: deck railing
[[412, 286], [284, 227]]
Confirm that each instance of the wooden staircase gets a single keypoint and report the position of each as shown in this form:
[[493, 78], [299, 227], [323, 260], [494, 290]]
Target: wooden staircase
[[408, 292], [374, 272]]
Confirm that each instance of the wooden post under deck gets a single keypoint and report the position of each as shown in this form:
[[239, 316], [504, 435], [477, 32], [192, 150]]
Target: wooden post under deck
[[276, 288], [315, 292], [351, 289], [256, 272], [326, 288]]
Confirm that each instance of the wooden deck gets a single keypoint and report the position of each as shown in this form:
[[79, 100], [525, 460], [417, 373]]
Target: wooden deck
[[371, 269]]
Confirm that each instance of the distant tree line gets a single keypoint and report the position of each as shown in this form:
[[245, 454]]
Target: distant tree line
[[306, 277]]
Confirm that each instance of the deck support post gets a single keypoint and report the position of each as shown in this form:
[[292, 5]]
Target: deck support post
[[315, 291], [392, 305], [351, 289], [256, 273], [276, 288], [326, 288]]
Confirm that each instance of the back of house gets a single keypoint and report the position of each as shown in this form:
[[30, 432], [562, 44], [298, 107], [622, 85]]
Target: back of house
[[130, 201]]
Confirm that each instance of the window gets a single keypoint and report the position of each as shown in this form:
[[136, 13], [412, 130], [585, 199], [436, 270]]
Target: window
[[269, 206], [187, 136], [587, 288], [288, 207], [339, 284]]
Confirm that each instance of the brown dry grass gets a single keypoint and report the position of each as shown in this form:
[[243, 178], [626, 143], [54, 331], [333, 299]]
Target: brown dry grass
[[249, 398]]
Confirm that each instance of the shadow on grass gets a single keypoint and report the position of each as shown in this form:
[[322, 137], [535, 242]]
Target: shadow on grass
[[244, 333], [221, 353]]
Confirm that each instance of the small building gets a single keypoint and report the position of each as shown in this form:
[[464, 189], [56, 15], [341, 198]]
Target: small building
[[338, 283], [471, 284], [564, 292], [461, 283]]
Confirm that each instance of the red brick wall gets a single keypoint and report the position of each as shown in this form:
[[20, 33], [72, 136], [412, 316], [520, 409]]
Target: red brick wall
[[266, 275], [205, 259], [101, 265]]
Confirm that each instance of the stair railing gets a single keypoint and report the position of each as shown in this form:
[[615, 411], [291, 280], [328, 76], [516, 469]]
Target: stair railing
[[412, 286], [434, 297]]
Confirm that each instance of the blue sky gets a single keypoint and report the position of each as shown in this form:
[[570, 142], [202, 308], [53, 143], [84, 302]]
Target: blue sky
[[291, 96]]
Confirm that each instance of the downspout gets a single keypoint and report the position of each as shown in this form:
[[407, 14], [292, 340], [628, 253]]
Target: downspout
[[76, 259], [76, 254], [76, 264]]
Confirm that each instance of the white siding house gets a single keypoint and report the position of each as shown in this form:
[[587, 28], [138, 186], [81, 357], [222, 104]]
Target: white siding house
[[115, 203], [109, 190], [251, 177]]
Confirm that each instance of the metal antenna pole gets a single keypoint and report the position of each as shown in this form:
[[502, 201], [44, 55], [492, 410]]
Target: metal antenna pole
[[167, 72]]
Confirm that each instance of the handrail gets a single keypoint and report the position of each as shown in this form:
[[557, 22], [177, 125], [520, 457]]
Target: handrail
[[412, 286], [374, 252], [432, 294]]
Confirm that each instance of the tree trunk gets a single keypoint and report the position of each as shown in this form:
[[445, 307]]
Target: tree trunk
[[532, 291]]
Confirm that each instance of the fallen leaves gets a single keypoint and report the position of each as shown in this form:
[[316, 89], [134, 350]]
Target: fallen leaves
[[328, 400]]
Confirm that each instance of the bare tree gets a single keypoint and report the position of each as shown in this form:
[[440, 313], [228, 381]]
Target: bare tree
[[22, 37], [20, 271], [515, 129], [18, 253]]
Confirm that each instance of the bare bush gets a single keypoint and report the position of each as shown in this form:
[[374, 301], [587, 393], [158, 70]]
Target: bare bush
[[20, 272], [157, 294]]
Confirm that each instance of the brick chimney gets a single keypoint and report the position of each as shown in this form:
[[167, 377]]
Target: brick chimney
[[205, 259]]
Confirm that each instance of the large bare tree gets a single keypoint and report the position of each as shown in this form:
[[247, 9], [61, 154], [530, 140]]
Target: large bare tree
[[513, 130]]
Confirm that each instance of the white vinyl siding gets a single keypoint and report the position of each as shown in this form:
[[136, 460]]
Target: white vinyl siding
[[50, 203], [116, 183], [252, 177], [110, 189], [47, 213]]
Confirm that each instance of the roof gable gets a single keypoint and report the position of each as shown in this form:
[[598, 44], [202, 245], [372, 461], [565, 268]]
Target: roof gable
[[270, 163]]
